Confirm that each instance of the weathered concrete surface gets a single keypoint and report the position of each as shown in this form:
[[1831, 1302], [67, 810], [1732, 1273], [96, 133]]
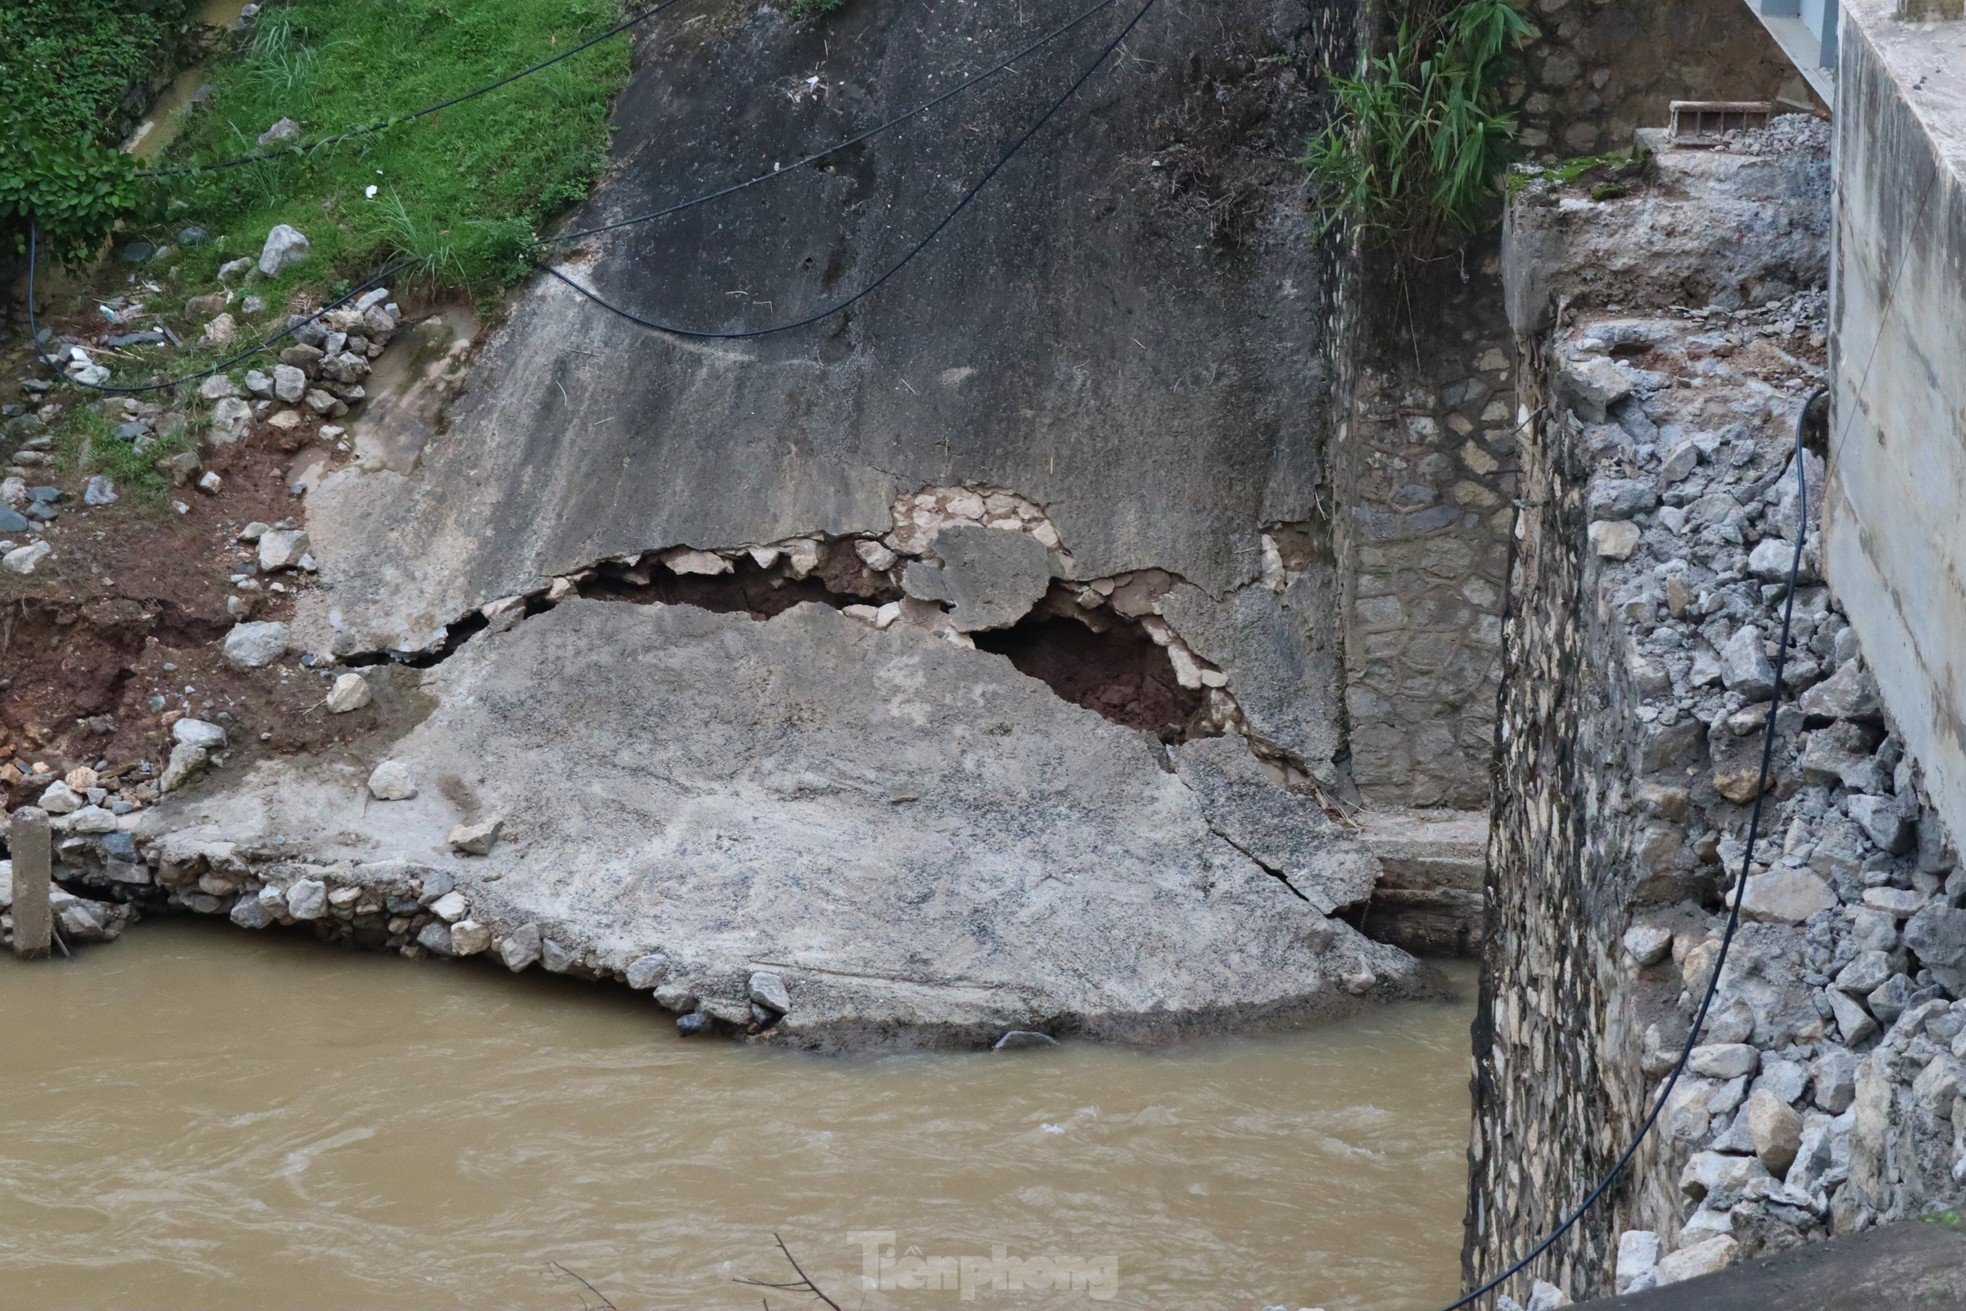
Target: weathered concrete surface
[[1897, 490], [924, 845], [1124, 327], [989, 579], [1281, 650], [1905, 1266]]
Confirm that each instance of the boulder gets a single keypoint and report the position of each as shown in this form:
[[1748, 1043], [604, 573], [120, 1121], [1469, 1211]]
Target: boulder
[[392, 780], [256, 645], [1885, 821], [281, 549], [468, 938], [24, 560], [1744, 666], [1592, 386], [1848, 693], [1638, 1260], [1724, 1060], [644, 972], [768, 990], [285, 246], [289, 383], [520, 948], [1938, 934], [1785, 896], [1702, 1258], [476, 839], [350, 692], [1775, 1129], [187, 761], [1614, 539], [307, 899], [199, 733]]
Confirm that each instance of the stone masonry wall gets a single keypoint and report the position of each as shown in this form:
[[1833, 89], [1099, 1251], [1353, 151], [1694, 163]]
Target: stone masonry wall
[[1658, 523], [1605, 68], [1423, 461], [1424, 468]]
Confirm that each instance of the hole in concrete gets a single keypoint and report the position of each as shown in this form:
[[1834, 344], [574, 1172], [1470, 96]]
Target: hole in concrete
[[1119, 673], [761, 593]]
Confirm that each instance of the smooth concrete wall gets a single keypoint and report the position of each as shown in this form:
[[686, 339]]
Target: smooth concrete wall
[[1896, 501]]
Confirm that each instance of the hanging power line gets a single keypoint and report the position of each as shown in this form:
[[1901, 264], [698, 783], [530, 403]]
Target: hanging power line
[[893, 269]]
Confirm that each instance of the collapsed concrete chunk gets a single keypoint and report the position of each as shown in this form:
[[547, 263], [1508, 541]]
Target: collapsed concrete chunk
[[1044, 862], [989, 577], [1286, 833]]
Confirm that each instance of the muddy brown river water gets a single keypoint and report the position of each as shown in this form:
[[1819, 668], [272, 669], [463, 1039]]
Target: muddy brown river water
[[197, 1117]]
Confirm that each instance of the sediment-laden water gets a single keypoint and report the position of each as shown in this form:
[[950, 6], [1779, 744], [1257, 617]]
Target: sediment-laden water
[[196, 1117]]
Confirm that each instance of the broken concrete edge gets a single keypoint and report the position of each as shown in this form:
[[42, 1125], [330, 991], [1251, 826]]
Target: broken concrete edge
[[178, 873]]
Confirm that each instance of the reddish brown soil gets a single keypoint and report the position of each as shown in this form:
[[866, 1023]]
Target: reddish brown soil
[[1119, 673], [131, 605]]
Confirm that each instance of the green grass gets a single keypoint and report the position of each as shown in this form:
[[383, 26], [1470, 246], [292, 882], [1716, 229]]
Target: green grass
[[1421, 136], [809, 9], [83, 446], [459, 195]]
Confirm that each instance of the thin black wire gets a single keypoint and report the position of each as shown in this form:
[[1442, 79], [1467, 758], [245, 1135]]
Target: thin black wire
[[896, 121], [1733, 908], [906, 259], [34, 332], [260, 157]]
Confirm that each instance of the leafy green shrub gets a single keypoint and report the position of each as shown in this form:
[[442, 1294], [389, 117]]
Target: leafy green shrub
[[74, 189], [65, 67], [1419, 138], [65, 64]]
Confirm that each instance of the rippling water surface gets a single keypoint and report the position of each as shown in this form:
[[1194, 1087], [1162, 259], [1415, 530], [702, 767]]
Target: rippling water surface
[[197, 1117]]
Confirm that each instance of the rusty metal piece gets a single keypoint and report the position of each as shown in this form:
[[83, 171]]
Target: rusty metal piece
[[1700, 124]]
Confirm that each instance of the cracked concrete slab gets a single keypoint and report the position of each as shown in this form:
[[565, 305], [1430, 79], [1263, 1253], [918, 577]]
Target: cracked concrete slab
[[1287, 834], [925, 846], [1283, 659]]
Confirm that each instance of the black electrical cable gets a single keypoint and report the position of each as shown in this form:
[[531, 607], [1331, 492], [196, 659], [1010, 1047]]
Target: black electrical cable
[[1733, 906], [905, 260], [580, 234], [260, 157], [34, 332]]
